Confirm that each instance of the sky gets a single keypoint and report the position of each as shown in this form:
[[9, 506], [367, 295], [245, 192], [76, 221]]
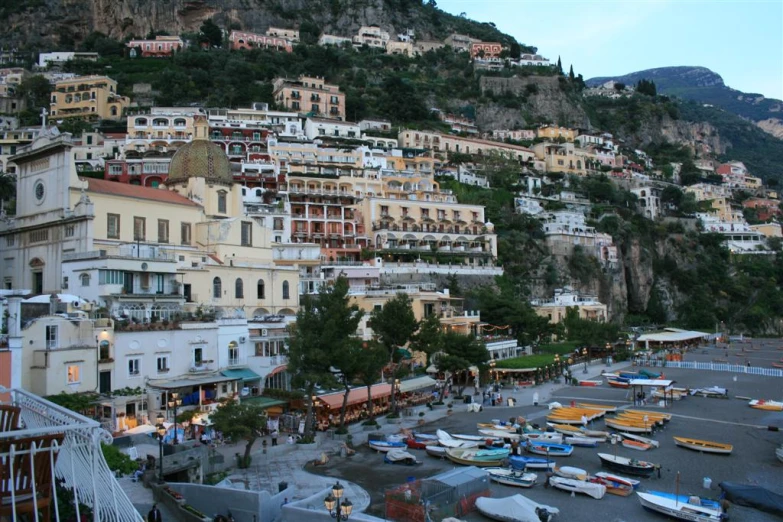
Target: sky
[[741, 40]]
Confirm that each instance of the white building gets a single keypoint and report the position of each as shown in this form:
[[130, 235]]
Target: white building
[[516, 135], [330, 39], [322, 127], [556, 309], [649, 201], [375, 124], [739, 238], [467, 176], [532, 59], [47, 59], [566, 229], [526, 205]]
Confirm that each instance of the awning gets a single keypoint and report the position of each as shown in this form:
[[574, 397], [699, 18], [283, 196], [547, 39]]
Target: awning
[[405, 354], [242, 373], [263, 402], [334, 401], [651, 382], [190, 381], [416, 383], [277, 370], [672, 335]]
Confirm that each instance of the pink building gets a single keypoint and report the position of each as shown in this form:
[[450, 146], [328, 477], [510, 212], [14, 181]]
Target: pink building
[[490, 49], [242, 40], [161, 46]]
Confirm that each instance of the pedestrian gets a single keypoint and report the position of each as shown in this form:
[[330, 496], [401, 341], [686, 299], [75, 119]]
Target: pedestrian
[[747, 363], [584, 420], [154, 514], [274, 437], [285, 501]]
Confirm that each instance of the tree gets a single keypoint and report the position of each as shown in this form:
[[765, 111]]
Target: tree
[[240, 421], [349, 362], [571, 73], [36, 90], [374, 358], [324, 325], [393, 326], [7, 188], [619, 86], [460, 353], [646, 87], [429, 337], [210, 33], [559, 65]]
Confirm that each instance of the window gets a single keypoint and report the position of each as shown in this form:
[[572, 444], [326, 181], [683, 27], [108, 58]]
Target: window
[[111, 277], [198, 356], [260, 289], [217, 288], [239, 289], [222, 202], [247, 233], [314, 108], [233, 353], [134, 367], [85, 279], [139, 228], [51, 336], [163, 231], [184, 232], [73, 374], [9, 240], [295, 105], [286, 291], [89, 139], [163, 363], [103, 351], [70, 230]]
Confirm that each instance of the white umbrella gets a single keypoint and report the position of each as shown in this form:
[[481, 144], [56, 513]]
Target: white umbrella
[[141, 429], [432, 369]]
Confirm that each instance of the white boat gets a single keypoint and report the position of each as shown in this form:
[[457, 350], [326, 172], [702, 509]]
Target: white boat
[[515, 508], [384, 446], [439, 452], [471, 438], [500, 434], [595, 434], [680, 510], [450, 442], [639, 438], [761, 404], [620, 479], [591, 489], [779, 453], [584, 442], [546, 436], [712, 391], [571, 472], [398, 456], [511, 477]]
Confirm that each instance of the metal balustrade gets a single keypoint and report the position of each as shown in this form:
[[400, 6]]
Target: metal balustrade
[[77, 464], [718, 367]]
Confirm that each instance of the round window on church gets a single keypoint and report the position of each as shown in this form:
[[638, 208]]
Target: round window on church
[[39, 191]]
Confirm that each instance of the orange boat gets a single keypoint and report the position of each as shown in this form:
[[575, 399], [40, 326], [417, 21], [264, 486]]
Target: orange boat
[[777, 365]]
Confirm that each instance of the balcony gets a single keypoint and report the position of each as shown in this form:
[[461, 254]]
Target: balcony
[[77, 463]]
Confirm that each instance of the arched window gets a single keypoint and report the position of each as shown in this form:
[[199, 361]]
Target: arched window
[[217, 288], [239, 289], [85, 279], [222, 202], [260, 289], [259, 193], [286, 290], [141, 122], [114, 110]]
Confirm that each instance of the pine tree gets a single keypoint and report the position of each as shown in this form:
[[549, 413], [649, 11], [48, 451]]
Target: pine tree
[[571, 73], [559, 65]]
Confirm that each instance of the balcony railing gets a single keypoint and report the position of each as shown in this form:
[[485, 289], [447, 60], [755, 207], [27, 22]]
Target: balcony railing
[[77, 463]]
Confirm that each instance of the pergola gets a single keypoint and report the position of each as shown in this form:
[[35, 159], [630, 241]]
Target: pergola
[[638, 385]]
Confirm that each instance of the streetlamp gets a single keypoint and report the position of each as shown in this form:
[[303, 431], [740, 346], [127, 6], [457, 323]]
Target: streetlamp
[[608, 354], [161, 432], [492, 374], [584, 354], [338, 510], [175, 402]]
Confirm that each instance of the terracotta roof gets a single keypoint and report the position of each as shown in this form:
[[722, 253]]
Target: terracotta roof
[[126, 190]]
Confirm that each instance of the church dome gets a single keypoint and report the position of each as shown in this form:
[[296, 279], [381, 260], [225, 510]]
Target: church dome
[[200, 159]]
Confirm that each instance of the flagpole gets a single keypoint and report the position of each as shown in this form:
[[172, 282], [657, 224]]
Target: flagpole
[[677, 490]]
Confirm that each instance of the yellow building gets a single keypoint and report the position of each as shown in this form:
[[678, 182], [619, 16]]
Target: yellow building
[[552, 132], [562, 157], [555, 310], [707, 191], [446, 143], [160, 128], [721, 207], [90, 97], [310, 95]]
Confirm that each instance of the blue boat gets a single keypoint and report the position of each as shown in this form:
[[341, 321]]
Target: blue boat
[[685, 499], [549, 449], [384, 446], [632, 375], [522, 463], [647, 374]]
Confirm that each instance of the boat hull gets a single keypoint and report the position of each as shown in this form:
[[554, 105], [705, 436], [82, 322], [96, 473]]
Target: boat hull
[[439, 452], [384, 447], [597, 491], [512, 478], [626, 466], [550, 450], [525, 463], [679, 511], [636, 445], [704, 446]]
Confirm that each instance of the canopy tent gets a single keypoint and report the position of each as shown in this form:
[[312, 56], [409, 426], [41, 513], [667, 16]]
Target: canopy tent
[[141, 429], [245, 374], [637, 385], [63, 298], [417, 383], [671, 335], [185, 382], [334, 401], [272, 406], [432, 369]]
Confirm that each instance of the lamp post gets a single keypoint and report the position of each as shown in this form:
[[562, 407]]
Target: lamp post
[[337, 509], [492, 374], [557, 365], [175, 402], [608, 354], [161, 432], [584, 354], [396, 391]]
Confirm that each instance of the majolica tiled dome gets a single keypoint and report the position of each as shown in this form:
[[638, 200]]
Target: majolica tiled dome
[[200, 159]]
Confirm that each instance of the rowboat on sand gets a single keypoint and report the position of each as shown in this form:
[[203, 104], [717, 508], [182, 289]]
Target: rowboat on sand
[[591, 489], [477, 457], [419, 443], [571, 472], [615, 383], [612, 487], [636, 445], [545, 436], [625, 465], [566, 429], [605, 408], [590, 383], [511, 477], [525, 463], [384, 446], [583, 442], [639, 438], [498, 427], [628, 426], [549, 449], [761, 404], [680, 510], [704, 446], [666, 417], [439, 452]]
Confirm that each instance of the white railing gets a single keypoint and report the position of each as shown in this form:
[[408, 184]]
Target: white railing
[[717, 367], [78, 466]]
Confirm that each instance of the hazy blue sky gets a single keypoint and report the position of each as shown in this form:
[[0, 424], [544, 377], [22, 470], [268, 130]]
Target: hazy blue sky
[[742, 40]]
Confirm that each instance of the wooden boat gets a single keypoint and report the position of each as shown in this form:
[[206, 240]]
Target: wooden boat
[[549, 449], [384, 446], [777, 365], [477, 457], [546, 436], [635, 417], [450, 442], [571, 472], [583, 442], [639, 438], [679, 510], [565, 429], [704, 446], [471, 438], [499, 434], [633, 483], [398, 456], [636, 445], [625, 465], [591, 489], [651, 414], [606, 409], [596, 434], [612, 487], [510, 477], [591, 383], [761, 404], [564, 420], [418, 443], [497, 427], [614, 383], [424, 436], [524, 463], [438, 452], [515, 508], [631, 427]]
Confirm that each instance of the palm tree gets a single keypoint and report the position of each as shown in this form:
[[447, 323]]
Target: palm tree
[[7, 188]]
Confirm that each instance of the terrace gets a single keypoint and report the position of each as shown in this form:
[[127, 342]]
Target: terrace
[[75, 463]]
